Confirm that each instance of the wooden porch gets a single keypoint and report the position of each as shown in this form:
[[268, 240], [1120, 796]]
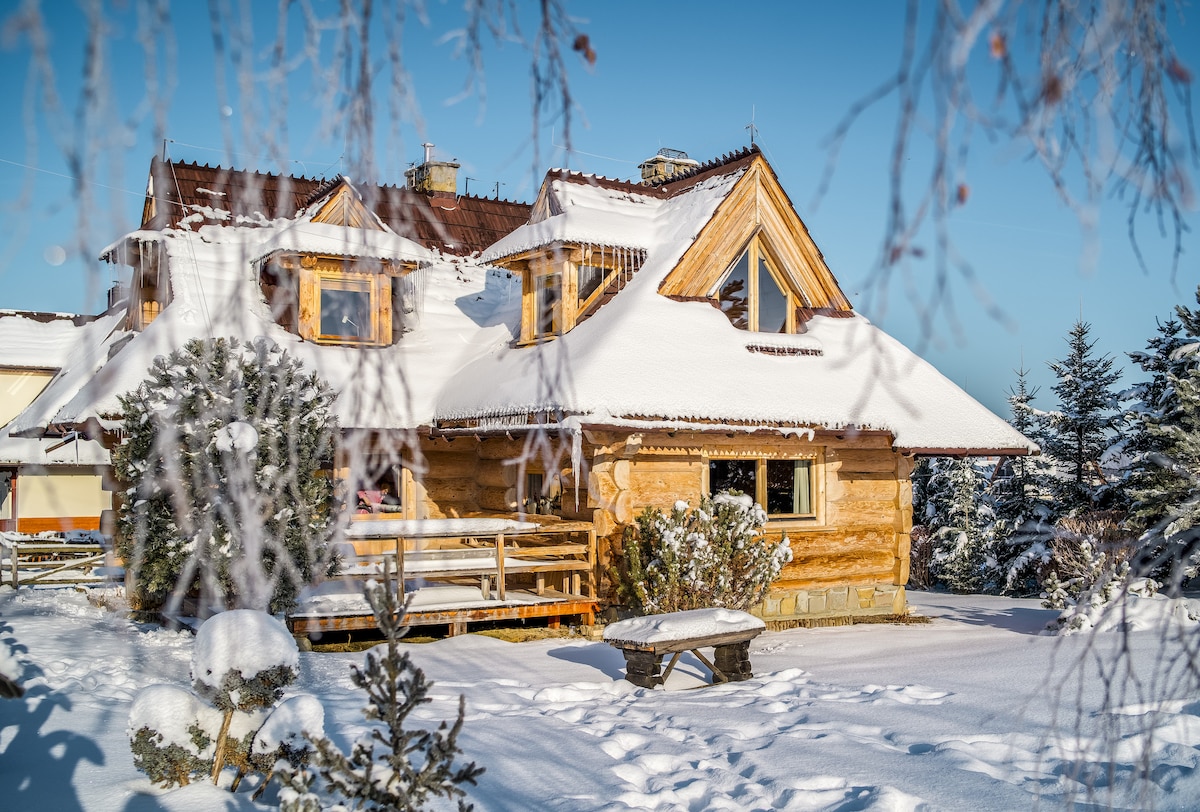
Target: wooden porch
[[459, 571]]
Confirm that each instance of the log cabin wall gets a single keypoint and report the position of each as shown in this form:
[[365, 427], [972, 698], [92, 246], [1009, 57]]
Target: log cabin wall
[[851, 559], [447, 487]]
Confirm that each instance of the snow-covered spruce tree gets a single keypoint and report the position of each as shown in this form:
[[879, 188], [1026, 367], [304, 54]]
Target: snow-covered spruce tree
[[223, 465], [1077, 434], [958, 519], [1019, 494], [712, 556], [1164, 478], [411, 766]]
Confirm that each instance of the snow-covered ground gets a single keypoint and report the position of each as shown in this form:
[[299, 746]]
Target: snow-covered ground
[[975, 710]]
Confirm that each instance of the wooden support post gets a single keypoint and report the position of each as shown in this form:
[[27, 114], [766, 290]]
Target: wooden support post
[[641, 668], [500, 566], [399, 570], [733, 662]]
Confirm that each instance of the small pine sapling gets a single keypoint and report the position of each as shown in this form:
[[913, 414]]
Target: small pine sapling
[[410, 767]]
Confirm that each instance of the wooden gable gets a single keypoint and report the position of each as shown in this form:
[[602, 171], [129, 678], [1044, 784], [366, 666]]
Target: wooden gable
[[344, 207], [758, 207]]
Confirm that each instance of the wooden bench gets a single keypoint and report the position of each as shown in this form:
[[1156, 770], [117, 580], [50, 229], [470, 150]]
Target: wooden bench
[[645, 640]]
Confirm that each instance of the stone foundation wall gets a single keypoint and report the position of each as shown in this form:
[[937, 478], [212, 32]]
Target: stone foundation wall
[[829, 605]]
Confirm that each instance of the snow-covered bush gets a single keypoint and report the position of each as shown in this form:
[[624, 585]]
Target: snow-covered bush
[[285, 736], [1089, 566], [710, 556], [241, 662], [225, 493], [172, 734], [411, 767]]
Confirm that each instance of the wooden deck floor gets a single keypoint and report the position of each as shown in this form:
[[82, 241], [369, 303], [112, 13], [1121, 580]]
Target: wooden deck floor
[[456, 606]]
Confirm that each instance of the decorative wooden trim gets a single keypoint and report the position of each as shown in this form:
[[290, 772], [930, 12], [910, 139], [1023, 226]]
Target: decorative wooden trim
[[757, 202], [345, 208], [57, 523]]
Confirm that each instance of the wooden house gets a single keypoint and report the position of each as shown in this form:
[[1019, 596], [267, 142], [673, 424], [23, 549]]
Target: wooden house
[[615, 345]]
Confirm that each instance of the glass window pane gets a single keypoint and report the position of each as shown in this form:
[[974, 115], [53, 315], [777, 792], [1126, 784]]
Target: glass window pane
[[549, 297], [346, 313], [772, 302], [590, 278], [732, 475], [789, 487], [734, 294]]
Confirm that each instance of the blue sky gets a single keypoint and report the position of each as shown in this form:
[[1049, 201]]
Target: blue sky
[[685, 75]]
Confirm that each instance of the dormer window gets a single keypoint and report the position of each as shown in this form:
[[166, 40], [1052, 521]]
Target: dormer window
[[753, 294], [150, 289], [339, 300], [564, 284]]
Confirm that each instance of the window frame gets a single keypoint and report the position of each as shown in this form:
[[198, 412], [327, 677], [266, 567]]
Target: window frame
[[353, 282], [816, 460]]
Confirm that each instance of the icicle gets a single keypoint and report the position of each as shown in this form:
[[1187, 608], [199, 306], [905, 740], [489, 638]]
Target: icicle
[[572, 426]]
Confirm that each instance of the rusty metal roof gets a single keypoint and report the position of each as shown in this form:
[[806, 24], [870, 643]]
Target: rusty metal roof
[[455, 224]]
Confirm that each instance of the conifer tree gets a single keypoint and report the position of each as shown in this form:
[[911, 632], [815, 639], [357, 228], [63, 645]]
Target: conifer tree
[[223, 460], [1152, 482], [1081, 430], [958, 516], [391, 767], [1165, 477], [1020, 501]]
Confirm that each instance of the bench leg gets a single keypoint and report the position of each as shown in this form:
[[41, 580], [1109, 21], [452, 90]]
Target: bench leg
[[733, 661], [641, 668]]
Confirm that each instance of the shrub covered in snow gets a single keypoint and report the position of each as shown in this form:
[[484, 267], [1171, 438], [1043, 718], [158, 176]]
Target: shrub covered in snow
[[412, 767], [710, 556], [1089, 566], [222, 461], [241, 662], [172, 734]]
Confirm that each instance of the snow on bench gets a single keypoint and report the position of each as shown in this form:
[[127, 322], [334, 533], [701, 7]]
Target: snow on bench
[[644, 641]]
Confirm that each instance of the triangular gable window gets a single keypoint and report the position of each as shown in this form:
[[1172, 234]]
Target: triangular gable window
[[760, 301]]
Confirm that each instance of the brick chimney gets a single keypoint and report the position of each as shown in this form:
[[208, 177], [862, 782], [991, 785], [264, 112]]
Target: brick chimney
[[432, 177], [663, 165]]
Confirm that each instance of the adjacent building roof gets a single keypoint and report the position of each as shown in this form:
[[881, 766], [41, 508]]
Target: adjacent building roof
[[459, 225], [33, 340]]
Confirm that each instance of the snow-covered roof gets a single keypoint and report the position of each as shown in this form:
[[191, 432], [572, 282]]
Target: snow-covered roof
[[647, 360], [38, 340], [592, 214], [642, 360], [306, 236], [215, 292]]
